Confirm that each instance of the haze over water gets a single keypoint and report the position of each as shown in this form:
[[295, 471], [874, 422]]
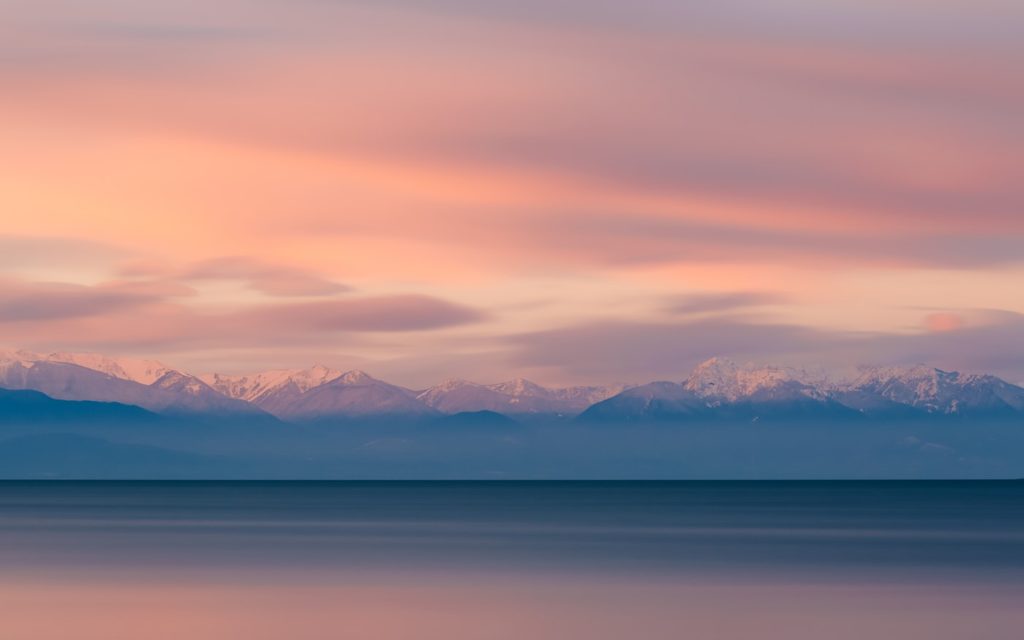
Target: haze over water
[[512, 560]]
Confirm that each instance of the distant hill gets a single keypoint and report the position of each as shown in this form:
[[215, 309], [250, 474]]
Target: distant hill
[[33, 407], [474, 419]]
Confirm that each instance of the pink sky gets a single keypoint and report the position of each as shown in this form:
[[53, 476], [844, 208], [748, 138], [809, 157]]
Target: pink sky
[[567, 190]]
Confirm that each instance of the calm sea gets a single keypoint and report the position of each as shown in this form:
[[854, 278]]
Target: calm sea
[[481, 560]]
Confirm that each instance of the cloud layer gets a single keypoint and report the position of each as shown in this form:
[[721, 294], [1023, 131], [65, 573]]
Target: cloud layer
[[525, 184]]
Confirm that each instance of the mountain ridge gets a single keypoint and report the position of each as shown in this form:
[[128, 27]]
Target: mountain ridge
[[717, 387]]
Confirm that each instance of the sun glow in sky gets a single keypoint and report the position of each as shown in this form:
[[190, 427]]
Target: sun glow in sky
[[568, 190]]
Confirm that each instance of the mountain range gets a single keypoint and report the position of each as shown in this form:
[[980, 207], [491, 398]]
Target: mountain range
[[717, 389]]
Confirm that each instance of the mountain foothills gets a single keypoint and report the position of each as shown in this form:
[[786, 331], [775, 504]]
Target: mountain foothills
[[716, 390]]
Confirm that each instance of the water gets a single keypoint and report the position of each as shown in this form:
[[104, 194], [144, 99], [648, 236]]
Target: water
[[480, 560]]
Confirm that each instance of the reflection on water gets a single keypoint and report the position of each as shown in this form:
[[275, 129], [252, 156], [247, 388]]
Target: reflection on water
[[511, 560]]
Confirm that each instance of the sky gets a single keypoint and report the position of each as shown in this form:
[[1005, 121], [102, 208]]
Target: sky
[[574, 191]]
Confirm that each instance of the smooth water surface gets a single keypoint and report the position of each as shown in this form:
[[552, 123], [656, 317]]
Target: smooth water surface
[[511, 559]]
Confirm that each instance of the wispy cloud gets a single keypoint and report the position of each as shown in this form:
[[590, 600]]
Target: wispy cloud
[[269, 279], [27, 302], [372, 314], [159, 314], [718, 302]]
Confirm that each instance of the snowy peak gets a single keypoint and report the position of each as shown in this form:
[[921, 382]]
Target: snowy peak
[[456, 395], [715, 377], [565, 399], [521, 387], [182, 383], [256, 386], [136, 370], [725, 380], [352, 394], [318, 374], [451, 384], [17, 359], [354, 377], [173, 392], [928, 376], [448, 386], [937, 391], [518, 396], [584, 396], [144, 372], [316, 392], [193, 395]]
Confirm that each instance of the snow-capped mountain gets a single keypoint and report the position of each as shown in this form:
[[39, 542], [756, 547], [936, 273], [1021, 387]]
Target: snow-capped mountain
[[21, 357], [562, 399], [518, 396], [134, 369], [456, 395], [756, 391], [278, 391], [936, 391], [67, 377], [352, 394], [716, 389], [723, 381], [653, 401], [193, 395], [724, 389], [259, 387], [64, 381]]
